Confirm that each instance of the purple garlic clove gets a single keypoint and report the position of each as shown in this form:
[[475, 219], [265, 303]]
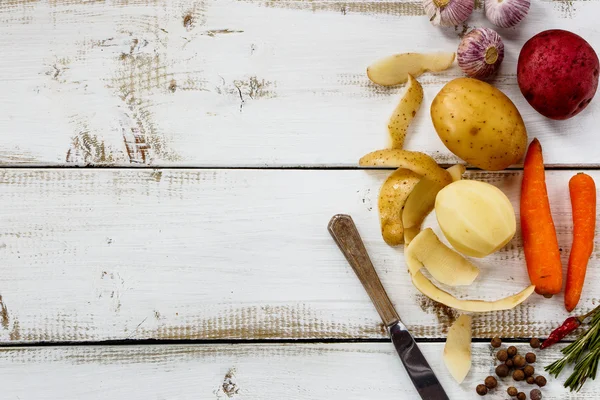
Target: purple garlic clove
[[448, 12], [506, 13], [480, 53]]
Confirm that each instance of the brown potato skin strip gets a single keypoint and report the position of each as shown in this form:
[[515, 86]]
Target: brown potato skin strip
[[415, 161], [405, 112], [392, 197]]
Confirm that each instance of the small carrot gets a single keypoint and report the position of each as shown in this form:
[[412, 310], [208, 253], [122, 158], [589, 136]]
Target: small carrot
[[539, 234], [583, 201]]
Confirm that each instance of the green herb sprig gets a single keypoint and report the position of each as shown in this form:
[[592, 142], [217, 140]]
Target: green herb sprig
[[586, 365]]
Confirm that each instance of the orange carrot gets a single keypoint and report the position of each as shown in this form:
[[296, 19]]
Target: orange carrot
[[583, 201], [539, 234]]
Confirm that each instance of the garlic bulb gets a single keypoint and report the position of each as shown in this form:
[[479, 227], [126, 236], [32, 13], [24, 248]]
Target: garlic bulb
[[480, 53], [506, 13], [448, 12]]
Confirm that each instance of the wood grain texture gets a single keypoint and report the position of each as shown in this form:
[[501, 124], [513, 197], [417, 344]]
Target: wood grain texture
[[238, 82], [298, 371], [231, 254], [344, 232]]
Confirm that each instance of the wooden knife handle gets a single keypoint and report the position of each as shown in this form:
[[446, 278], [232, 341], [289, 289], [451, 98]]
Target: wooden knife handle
[[348, 239]]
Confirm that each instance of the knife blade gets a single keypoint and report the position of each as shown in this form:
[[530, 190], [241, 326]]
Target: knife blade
[[344, 232]]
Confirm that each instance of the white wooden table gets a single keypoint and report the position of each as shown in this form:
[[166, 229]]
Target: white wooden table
[[198, 265]]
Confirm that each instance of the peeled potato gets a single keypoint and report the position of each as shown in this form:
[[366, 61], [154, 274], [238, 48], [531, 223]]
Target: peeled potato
[[405, 112], [421, 201], [417, 162], [426, 287], [394, 70], [392, 197], [477, 218], [457, 351], [443, 263]]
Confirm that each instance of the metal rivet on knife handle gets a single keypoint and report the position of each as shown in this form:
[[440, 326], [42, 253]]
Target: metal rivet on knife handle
[[348, 239]]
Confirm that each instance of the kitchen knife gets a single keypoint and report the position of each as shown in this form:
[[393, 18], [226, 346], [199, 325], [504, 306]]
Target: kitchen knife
[[346, 236]]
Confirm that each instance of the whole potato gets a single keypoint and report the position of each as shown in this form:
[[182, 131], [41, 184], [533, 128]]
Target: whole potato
[[479, 124], [558, 73]]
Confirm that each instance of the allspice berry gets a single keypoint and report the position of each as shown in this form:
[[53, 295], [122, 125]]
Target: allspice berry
[[512, 391], [481, 390], [496, 342], [518, 375], [502, 355], [512, 351], [519, 361], [535, 394], [509, 363], [530, 380], [529, 370], [535, 343], [490, 382], [530, 357], [540, 381], [502, 370], [521, 396]]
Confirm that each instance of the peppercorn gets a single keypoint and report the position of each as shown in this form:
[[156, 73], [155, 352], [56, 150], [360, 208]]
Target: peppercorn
[[502, 370], [530, 380], [510, 363], [518, 375], [512, 391], [496, 342], [512, 351], [540, 381], [536, 394], [491, 382], [529, 370], [519, 361], [535, 343], [481, 390], [521, 396], [530, 357], [502, 355]]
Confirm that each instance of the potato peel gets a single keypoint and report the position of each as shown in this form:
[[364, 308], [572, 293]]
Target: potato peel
[[405, 111], [410, 233], [444, 264], [418, 206], [392, 196], [394, 70], [456, 172], [457, 351], [421, 202], [426, 287], [419, 163]]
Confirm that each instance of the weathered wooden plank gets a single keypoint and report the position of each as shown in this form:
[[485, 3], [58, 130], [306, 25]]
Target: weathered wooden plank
[[223, 254], [237, 83], [296, 371]]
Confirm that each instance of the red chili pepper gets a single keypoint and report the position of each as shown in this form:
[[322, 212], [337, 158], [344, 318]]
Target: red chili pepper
[[567, 327]]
